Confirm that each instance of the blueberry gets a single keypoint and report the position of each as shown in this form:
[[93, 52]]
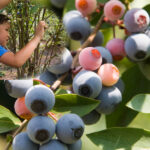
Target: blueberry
[[110, 97], [22, 142], [39, 99], [87, 83], [54, 145], [78, 28], [71, 15], [98, 40], [106, 55], [75, 146], [91, 117], [114, 10], [116, 48], [58, 3], [90, 58], [48, 77], [41, 129], [136, 20], [64, 65], [69, 128], [86, 7], [120, 85], [137, 47], [18, 88]]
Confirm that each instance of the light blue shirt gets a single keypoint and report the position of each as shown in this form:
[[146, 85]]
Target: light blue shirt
[[2, 51]]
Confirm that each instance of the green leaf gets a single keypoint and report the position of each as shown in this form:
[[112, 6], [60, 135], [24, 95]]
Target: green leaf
[[145, 67], [35, 82], [147, 8], [70, 5], [121, 139], [8, 121], [87, 144], [72, 103], [100, 125], [135, 83], [141, 121], [139, 3], [140, 103], [60, 91]]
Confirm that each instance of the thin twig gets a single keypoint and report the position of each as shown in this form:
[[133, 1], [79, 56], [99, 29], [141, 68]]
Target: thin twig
[[24, 123], [114, 31], [53, 116], [58, 81]]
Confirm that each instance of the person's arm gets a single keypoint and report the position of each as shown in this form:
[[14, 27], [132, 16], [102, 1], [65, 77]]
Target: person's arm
[[3, 3], [18, 59]]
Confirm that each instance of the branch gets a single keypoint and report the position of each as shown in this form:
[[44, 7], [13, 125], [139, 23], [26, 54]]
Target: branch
[[58, 81]]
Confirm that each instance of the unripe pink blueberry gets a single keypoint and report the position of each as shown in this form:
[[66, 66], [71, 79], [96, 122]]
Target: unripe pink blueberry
[[90, 58], [86, 7], [109, 74], [116, 48], [21, 110], [114, 10]]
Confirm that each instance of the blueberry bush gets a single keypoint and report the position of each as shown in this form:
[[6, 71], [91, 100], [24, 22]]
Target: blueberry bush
[[96, 96]]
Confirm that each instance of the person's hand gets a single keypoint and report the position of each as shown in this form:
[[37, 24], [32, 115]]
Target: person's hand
[[40, 29]]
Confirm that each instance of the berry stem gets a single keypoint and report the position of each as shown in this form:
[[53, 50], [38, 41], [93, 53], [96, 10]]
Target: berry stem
[[23, 124], [128, 4], [114, 31], [88, 41], [40, 82], [53, 116]]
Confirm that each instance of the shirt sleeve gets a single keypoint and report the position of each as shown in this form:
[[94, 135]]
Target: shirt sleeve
[[3, 51]]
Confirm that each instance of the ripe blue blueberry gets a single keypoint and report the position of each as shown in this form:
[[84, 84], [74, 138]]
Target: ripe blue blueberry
[[58, 3], [137, 47], [54, 145], [136, 20], [64, 65], [87, 83], [48, 77], [110, 97], [41, 129], [78, 28], [18, 88], [91, 117], [71, 15], [39, 99], [98, 40], [69, 128], [106, 55], [120, 85], [75, 146], [22, 142]]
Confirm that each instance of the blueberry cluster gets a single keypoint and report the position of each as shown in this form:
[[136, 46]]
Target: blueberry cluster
[[98, 80], [41, 129], [137, 45]]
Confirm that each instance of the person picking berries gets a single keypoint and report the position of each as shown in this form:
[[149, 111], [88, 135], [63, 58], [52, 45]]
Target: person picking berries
[[18, 59]]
